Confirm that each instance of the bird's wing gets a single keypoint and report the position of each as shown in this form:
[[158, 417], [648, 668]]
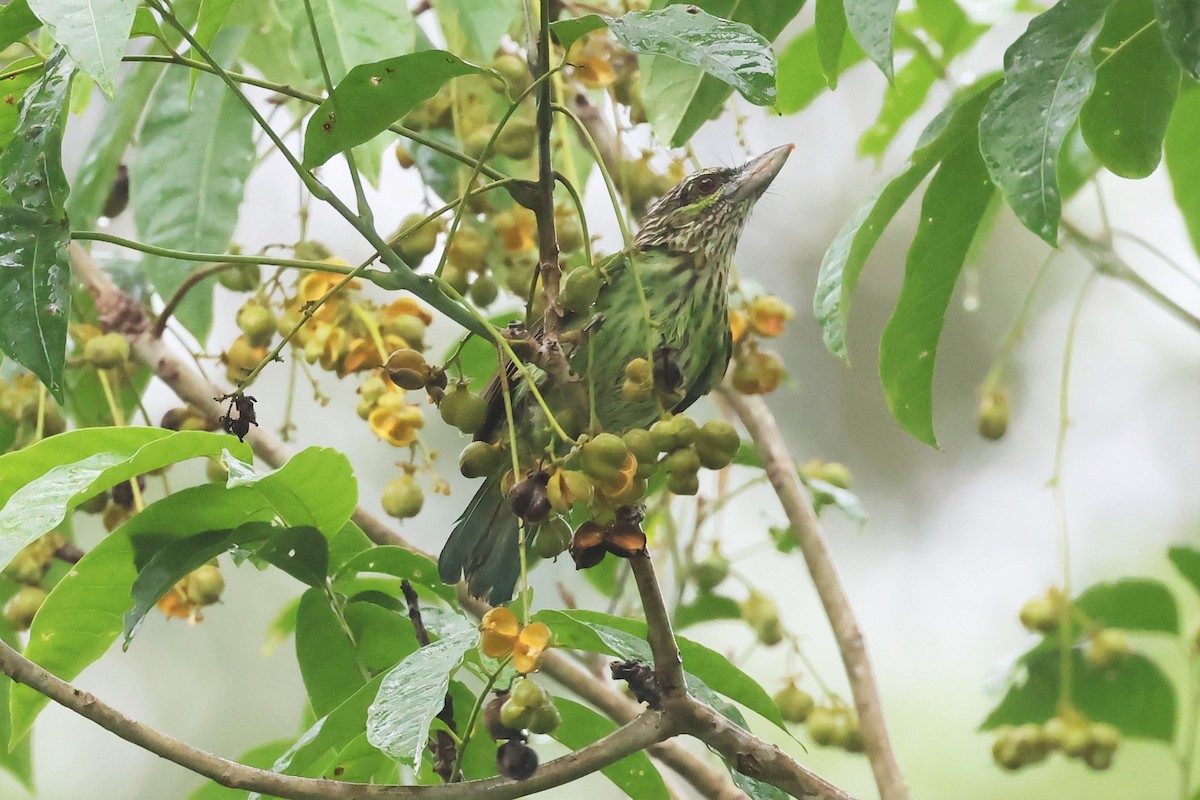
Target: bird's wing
[[712, 374]]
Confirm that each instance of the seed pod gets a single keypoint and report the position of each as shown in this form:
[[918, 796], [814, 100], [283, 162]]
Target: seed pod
[[528, 693], [758, 372], [204, 585], [415, 246], [484, 291], [822, 725], [240, 277], [257, 322], [568, 487], [517, 139], [514, 715], [516, 760], [603, 456], [1004, 749], [464, 410]]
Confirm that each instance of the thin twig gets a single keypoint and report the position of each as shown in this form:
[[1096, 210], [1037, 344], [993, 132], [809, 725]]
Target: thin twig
[[668, 664], [797, 505]]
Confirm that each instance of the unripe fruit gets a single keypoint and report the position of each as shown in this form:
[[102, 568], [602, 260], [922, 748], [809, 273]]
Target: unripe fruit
[[312, 250], [711, 572], [1075, 740], [568, 487], [992, 418], [633, 392], [464, 410], [527, 692], [114, 516], [1004, 750], [1108, 648], [568, 230], [822, 725], [1040, 615], [579, 290], [240, 277], [106, 351], [553, 538], [240, 358], [758, 372], [546, 719], [409, 328], [514, 71], [257, 322], [641, 444], [517, 139], [402, 497], [717, 443], [1031, 743], [479, 459], [484, 291], [516, 760], [795, 704], [674, 433], [204, 585], [514, 715], [683, 461], [404, 156], [603, 456], [469, 249], [23, 606], [414, 247], [760, 612], [1098, 759], [492, 721]]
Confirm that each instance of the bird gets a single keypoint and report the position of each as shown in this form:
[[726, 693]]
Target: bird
[[681, 255]]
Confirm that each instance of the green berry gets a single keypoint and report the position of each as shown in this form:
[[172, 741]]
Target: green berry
[[795, 704], [1040, 615], [239, 277], [603, 456], [579, 290], [1108, 648], [464, 410], [545, 719], [514, 715], [553, 538], [479, 459], [528, 693], [106, 351], [257, 322], [402, 497], [709, 573], [21, 608], [484, 291], [822, 725], [717, 443]]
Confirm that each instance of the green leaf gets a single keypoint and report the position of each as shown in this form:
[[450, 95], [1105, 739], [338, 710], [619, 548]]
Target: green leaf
[[93, 32], [1186, 561], [477, 357], [1048, 74], [679, 97], [755, 789], [325, 654], [16, 20], [145, 24], [951, 213], [261, 757], [105, 149], [482, 25], [706, 607], [830, 25], [872, 24], [35, 273], [43, 481], [626, 638], [844, 260], [83, 615], [168, 562], [191, 203], [274, 54], [352, 32], [11, 91], [1076, 164], [374, 96], [301, 552], [209, 20], [1180, 22], [1183, 160], [315, 487], [1125, 119], [729, 51], [402, 563], [382, 636], [569, 31], [826, 494], [18, 760], [1135, 696], [86, 404], [800, 77], [1136, 604], [634, 774], [412, 694]]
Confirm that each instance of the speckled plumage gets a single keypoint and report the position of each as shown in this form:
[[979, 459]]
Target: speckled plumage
[[682, 255]]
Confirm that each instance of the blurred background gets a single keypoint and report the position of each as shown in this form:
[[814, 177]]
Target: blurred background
[[957, 541]]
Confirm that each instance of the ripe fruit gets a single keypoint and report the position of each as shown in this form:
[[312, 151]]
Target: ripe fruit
[[516, 760], [402, 497], [529, 500]]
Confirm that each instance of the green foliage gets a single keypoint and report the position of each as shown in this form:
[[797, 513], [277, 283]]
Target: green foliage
[[16, 20], [1132, 604], [1181, 30], [872, 23], [634, 774], [93, 32], [1183, 162], [327, 656], [34, 269]]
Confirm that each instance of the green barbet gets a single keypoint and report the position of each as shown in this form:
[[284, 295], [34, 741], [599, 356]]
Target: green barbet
[[682, 254]]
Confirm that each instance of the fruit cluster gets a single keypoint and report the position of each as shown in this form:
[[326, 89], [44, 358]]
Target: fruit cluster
[[755, 370], [1106, 647], [835, 725], [1070, 733], [28, 568]]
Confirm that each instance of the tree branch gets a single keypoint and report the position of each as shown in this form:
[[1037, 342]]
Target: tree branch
[[797, 505], [548, 264], [668, 664], [650, 727]]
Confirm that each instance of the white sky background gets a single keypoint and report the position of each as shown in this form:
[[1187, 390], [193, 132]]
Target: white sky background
[[957, 539]]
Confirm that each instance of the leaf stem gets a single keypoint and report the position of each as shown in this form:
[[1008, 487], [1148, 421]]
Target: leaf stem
[[469, 730]]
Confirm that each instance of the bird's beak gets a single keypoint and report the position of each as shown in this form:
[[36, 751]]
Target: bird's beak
[[757, 173]]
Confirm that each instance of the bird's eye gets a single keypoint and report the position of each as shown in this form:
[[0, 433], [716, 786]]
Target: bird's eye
[[706, 185]]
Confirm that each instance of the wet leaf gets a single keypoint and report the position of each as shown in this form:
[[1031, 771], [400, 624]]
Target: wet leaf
[[680, 97], [568, 31], [35, 273], [374, 96], [830, 25], [872, 24], [93, 32], [301, 552], [16, 20], [801, 79], [401, 563], [1125, 119], [1183, 160], [1048, 74], [1180, 21], [11, 92], [209, 19], [951, 214], [412, 694], [191, 203], [325, 654], [846, 256]]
